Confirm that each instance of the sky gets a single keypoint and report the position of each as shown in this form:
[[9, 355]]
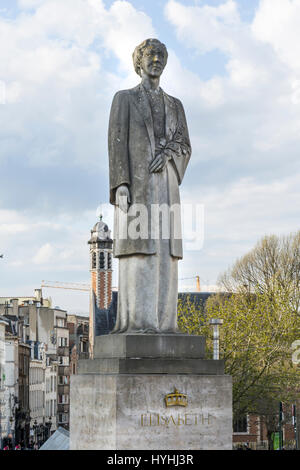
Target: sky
[[234, 65]]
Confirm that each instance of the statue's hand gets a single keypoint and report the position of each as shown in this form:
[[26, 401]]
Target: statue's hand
[[123, 198], [158, 163]]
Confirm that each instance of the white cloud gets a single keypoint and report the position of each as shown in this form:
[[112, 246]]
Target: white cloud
[[277, 23], [45, 254], [56, 86], [206, 27], [29, 240], [24, 4], [257, 97], [235, 218], [247, 210]]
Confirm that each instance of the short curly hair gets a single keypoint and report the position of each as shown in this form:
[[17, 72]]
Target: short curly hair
[[139, 51]]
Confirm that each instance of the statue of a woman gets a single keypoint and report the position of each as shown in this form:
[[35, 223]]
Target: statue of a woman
[[149, 149]]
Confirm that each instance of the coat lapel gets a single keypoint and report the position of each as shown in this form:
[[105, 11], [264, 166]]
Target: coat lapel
[[171, 117], [142, 103]]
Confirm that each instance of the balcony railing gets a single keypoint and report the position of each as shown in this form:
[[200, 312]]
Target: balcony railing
[[83, 355]]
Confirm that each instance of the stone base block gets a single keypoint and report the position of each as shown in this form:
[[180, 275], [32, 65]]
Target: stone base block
[[150, 366], [129, 412], [149, 346]]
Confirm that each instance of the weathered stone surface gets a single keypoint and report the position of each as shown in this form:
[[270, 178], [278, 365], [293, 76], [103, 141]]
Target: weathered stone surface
[[117, 400], [113, 412], [156, 346]]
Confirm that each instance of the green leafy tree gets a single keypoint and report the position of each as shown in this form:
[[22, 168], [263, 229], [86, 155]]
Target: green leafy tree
[[260, 322]]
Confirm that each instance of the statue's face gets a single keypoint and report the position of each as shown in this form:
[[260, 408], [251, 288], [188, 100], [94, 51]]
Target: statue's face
[[153, 61]]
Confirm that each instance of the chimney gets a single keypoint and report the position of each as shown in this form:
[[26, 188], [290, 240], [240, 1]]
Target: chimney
[[15, 307], [38, 294]]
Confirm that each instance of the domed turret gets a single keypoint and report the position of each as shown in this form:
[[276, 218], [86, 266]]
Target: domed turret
[[100, 232]]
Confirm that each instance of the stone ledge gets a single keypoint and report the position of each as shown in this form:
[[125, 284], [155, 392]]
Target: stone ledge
[[150, 346], [151, 366]]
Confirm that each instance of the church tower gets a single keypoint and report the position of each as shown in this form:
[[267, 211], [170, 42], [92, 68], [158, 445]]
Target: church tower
[[101, 274]]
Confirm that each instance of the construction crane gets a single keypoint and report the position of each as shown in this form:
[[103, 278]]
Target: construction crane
[[66, 285], [197, 281], [86, 287]]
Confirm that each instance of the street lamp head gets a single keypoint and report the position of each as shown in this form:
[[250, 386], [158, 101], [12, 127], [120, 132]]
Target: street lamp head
[[216, 321]]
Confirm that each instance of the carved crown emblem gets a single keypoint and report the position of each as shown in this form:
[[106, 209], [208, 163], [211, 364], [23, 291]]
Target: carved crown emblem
[[176, 399]]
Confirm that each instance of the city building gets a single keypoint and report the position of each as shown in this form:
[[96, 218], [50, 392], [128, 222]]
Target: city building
[[37, 370], [101, 280], [3, 407], [51, 374], [22, 432], [251, 430], [79, 339], [37, 344], [53, 331], [11, 379]]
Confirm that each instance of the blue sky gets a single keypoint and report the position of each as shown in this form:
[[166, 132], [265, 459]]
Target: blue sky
[[235, 67]]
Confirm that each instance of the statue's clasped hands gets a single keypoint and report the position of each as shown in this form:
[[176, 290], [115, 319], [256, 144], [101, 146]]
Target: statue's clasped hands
[[158, 163]]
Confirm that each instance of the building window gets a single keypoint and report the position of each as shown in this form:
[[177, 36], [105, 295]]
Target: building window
[[63, 360], [63, 418], [62, 342], [62, 399], [240, 425], [101, 260], [63, 380], [94, 262]]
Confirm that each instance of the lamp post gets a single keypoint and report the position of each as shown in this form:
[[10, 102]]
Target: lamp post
[[11, 431], [35, 426], [215, 323], [1, 441], [281, 417], [294, 418], [48, 425]]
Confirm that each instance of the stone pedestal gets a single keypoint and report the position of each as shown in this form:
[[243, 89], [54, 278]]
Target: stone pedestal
[[150, 392]]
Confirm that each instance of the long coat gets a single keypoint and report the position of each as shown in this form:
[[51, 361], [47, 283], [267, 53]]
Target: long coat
[[131, 145]]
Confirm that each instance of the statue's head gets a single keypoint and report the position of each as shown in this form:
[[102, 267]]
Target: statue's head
[[150, 58]]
